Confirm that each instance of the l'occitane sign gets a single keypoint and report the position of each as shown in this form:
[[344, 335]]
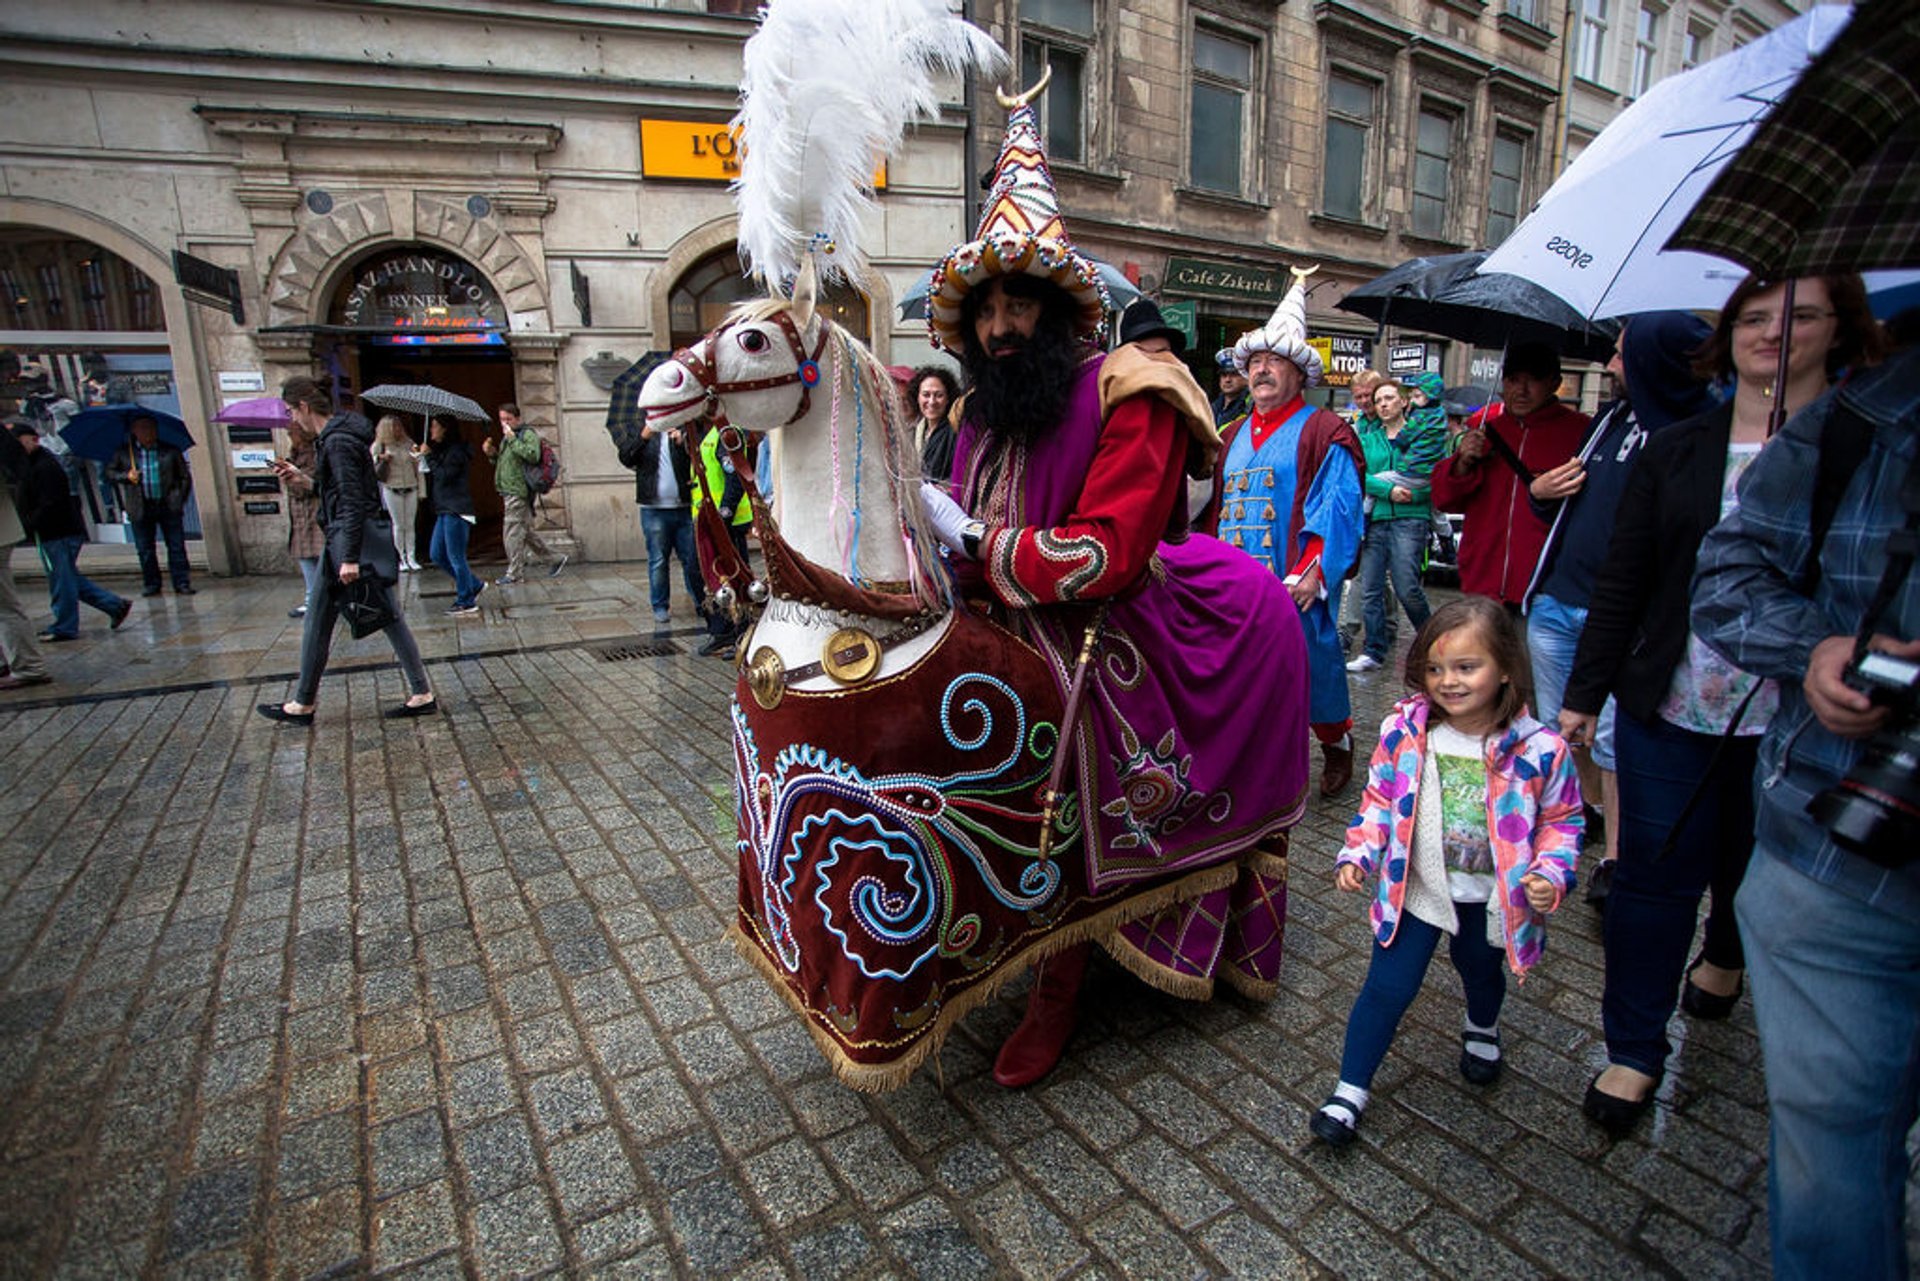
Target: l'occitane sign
[[700, 150]]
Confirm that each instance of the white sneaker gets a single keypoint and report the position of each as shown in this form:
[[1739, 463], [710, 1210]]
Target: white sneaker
[[1364, 663]]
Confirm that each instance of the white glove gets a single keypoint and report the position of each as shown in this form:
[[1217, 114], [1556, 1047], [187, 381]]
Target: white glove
[[948, 518]]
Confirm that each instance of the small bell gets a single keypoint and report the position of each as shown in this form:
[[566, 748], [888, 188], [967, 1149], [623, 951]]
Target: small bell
[[758, 592], [723, 599]]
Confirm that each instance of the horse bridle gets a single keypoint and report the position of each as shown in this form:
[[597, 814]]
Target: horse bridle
[[705, 370]]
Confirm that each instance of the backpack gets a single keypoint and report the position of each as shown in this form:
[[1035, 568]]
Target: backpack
[[542, 475]]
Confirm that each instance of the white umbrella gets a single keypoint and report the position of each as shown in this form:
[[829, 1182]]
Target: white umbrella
[[1596, 237]]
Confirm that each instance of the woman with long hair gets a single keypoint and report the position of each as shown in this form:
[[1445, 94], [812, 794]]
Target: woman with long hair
[[394, 467], [445, 459], [1689, 721]]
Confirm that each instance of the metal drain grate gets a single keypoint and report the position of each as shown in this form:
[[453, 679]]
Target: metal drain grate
[[621, 651]]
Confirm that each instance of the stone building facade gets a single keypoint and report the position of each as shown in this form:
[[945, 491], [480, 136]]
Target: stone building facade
[[509, 200]]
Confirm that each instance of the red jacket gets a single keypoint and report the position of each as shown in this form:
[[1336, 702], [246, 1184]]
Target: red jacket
[[1502, 536]]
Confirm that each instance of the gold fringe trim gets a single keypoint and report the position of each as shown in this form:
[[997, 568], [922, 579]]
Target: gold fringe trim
[[871, 1078]]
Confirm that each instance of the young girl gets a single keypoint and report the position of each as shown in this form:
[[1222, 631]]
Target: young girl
[[1471, 820]]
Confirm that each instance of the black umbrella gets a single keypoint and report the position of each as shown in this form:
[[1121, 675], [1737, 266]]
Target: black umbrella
[[99, 432], [423, 399], [1830, 181], [1448, 297], [625, 418]]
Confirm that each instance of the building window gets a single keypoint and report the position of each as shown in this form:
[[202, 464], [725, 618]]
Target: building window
[[1432, 160], [1509, 166], [1349, 130], [1693, 49], [1058, 34], [1526, 11], [1593, 40], [1645, 49], [1222, 84]]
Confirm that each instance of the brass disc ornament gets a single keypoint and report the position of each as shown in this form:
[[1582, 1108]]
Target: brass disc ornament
[[851, 655], [767, 677]]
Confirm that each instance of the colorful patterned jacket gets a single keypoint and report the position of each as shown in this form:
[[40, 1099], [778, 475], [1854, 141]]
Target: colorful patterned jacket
[[1533, 817]]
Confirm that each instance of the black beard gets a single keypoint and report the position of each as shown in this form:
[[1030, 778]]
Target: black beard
[[1023, 394]]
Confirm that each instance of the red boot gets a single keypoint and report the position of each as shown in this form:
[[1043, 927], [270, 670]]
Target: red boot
[[1036, 1045]]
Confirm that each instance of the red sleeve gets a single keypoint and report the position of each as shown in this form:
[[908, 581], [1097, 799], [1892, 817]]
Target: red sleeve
[[1455, 483], [1309, 556], [1110, 535]]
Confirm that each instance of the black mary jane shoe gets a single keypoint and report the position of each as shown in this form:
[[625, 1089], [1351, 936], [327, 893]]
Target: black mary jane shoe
[[1333, 1130], [1615, 1115], [1476, 1070], [275, 712], [408, 710], [1702, 1004]]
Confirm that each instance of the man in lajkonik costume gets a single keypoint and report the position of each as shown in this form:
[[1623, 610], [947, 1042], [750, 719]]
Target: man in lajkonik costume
[[1188, 752], [1292, 500]]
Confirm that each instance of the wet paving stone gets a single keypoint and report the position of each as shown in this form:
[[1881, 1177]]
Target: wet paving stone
[[462, 1005]]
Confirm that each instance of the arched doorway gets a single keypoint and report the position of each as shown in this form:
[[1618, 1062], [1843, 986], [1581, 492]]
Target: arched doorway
[[414, 314], [702, 296], [81, 326]]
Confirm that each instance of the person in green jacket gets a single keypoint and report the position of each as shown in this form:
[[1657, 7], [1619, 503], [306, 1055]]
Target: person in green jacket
[[518, 449], [1401, 454]]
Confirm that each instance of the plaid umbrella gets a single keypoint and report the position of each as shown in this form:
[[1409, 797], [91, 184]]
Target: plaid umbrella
[[625, 418], [1830, 182], [419, 398]]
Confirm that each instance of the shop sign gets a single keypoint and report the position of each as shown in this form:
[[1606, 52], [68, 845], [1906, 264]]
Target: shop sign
[[257, 484], [1342, 356], [1406, 357], [158, 384], [700, 150], [252, 459], [1213, 278], [1184, 316], [1484, 369], [241, 380], [421, 290], [262, 508], [209, 284], [238, 435]]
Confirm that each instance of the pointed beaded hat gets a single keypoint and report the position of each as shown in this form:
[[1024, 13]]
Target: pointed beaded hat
[[1285, 333], [1020, 232]]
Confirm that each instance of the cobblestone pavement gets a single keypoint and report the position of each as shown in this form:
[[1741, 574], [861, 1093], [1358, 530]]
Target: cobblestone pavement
[[450, 997]]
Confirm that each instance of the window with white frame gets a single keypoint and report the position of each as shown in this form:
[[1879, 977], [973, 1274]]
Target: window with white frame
[[1592, 59], [1059, 34], [1432, 170], [1693, 49], [1350, 111], [1508, 165], [1222, 86], [1646, 48]]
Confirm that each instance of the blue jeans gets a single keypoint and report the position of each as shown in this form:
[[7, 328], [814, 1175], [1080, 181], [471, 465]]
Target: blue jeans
[[1393, 980], [1392, 546], [449, 551], [173, 528], [1836, 996], [67, 586], [1656, 900], [669, 532], [1553, 635]]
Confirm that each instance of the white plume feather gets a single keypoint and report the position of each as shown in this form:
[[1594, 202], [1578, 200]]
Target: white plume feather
[[828, 90]]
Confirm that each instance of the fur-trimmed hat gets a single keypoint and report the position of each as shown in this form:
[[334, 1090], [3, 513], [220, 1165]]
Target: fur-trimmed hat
[[1020, 232], [1285, 334]]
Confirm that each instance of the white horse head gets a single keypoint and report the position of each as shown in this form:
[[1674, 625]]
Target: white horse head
[[845, 480]]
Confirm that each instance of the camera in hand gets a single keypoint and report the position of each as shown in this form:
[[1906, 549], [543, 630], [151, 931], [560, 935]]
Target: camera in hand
[[1875, 809]]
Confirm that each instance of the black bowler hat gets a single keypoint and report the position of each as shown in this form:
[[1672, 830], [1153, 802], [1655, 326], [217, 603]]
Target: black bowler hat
[[1142, 319]]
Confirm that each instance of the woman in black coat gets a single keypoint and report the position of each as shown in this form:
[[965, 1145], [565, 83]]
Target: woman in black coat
[[445, 460], [1689, 722], [348, 494]]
